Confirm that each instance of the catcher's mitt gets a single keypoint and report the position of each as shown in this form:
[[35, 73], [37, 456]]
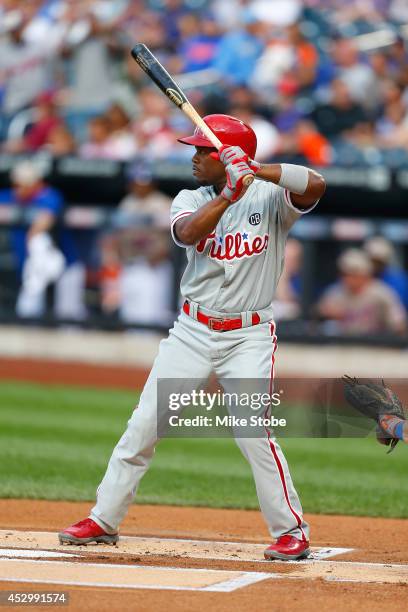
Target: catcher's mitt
[[374, 401]]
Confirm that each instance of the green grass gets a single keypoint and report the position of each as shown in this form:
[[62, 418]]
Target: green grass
[[55, 443]]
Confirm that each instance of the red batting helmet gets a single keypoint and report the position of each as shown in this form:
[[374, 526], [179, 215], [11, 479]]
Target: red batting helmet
[[229, 130]]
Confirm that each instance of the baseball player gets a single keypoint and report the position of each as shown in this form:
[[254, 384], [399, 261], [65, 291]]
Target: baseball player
[[235, 239]]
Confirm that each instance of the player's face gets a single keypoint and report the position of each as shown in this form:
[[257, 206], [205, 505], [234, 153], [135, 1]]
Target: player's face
[[208, 171]]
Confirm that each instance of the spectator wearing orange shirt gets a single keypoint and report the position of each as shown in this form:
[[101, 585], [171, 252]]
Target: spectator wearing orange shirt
[[306, 57]]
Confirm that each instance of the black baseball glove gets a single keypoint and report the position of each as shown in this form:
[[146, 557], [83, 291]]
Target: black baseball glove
[[374, 401]]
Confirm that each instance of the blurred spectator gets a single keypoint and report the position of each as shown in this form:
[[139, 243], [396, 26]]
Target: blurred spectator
[[173, 11], [340, 114], [288, 294], [98, 144], [109, 137], [305, 140], [60, 141], [275, 61], [122, 141], [305, 57], [199, 42], [228, 13], [399, 11], [144, 198], [137, 276], [139, 24], [285, 12], [153, 129], [382, 255], [358, 76], [266, 133], [314, 147], [288, 58], [368, 11], [25, 68], [392, 126], [297, 63], [287, 112], [42, 22], [358, 304], [297, 70], [45, 120], [240, 49], [381, 69], [87, 66], [39, 262]]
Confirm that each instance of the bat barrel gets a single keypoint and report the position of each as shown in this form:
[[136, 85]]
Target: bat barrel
[[152, 67]]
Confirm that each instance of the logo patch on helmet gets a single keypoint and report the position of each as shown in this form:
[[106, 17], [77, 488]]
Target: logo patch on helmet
[[255, 219]]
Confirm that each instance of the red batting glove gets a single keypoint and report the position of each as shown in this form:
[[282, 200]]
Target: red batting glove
[[235, 188]]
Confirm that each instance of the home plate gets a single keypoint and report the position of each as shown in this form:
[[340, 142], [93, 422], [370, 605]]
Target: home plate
[[125, 576], [168, 547]]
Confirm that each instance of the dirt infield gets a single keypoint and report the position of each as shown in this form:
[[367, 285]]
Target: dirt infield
[[286, 587], [344, 581], [72, 373]]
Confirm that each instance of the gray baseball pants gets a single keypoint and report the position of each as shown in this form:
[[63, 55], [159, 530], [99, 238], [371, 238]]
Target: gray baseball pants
[[192, 351]]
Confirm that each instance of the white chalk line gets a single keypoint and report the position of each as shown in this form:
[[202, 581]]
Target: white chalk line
[[241, 579], [222, 587], [21, 553]]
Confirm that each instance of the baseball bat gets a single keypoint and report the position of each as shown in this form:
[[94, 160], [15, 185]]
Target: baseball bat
[[153, 68]]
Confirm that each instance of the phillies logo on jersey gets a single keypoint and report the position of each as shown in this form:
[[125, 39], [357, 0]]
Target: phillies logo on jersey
[[233, 246]]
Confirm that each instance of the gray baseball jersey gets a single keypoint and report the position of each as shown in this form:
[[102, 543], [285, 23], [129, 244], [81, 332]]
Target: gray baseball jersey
[[237, 267]]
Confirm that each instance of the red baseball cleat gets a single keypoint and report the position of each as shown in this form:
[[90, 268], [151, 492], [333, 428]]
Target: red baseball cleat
[[287, 548], [86, 531]]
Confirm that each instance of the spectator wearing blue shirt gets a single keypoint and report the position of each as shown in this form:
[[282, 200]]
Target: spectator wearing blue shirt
[[172, 11], [239, 50], [199, 42], [39, 261], [382, 255]]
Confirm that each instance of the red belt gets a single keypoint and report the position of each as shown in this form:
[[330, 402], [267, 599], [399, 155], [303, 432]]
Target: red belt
[[217, 324]]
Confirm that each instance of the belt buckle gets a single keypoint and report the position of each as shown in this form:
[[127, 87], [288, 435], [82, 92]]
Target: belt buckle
[[214, 322]]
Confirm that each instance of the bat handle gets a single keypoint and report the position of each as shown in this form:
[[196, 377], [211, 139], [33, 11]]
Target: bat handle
[[248, 180]]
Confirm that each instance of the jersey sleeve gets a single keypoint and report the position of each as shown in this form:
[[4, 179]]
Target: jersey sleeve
[[184, 204], [6, 197], [50, 201], [288, 213]]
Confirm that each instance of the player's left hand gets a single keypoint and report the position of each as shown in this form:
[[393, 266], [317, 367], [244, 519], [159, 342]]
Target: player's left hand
[[233, 155], [236, 173]]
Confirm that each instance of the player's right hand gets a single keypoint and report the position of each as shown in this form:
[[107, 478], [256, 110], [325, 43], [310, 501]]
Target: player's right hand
[[235, 188]]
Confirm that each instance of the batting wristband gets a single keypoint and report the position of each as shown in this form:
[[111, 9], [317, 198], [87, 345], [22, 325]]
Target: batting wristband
[[254, 165], [294, 178], [399, 431], [392, 425]]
